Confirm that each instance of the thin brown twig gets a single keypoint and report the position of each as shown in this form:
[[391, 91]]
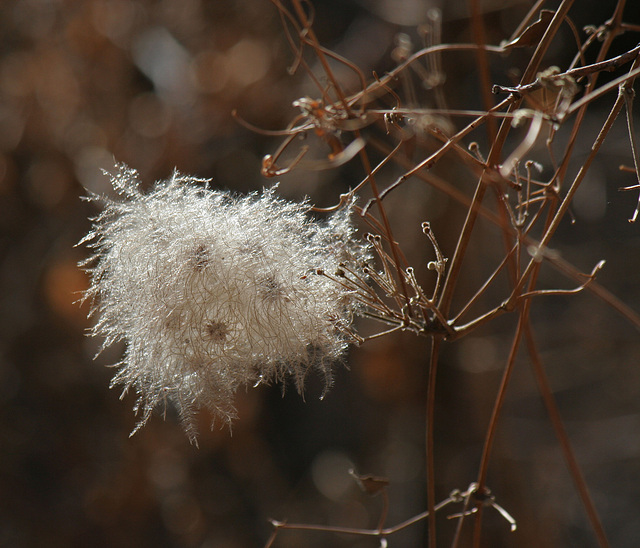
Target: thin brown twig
[[477, 28], [431, 406], [629, 96], [558, 426], [495, 414], [576, 73]]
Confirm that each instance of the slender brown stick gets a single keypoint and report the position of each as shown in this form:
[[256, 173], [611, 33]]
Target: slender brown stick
[[561, 434], [495, 414], [431, 405], [477, 27]]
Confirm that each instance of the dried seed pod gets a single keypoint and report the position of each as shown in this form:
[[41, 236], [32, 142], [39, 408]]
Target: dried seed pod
[[200, 315]]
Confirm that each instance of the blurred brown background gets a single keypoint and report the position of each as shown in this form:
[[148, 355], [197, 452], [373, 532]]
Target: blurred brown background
[[152, 84]]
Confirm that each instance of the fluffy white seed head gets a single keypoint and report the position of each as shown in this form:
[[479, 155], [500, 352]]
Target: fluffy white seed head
[[210, 291]]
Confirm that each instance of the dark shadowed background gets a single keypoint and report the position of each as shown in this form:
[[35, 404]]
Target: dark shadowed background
[[153, 83]]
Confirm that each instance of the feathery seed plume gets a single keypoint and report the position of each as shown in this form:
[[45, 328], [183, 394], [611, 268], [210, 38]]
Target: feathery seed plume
[[210, 291]]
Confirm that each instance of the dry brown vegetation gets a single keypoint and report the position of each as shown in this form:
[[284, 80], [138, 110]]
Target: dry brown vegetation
[[494, 154]]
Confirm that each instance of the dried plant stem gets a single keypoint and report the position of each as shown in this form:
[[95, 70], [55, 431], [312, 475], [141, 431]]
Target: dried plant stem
[[563, 439], [586, 70], [555, 261], [629, 97], [523, 311], [384, 82], [477, 27], [311, 35], [431, 404], [379, 532], [387, 226], [603, 90]]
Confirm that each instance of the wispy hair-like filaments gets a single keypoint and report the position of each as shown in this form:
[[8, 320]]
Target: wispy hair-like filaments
[[211, 291]]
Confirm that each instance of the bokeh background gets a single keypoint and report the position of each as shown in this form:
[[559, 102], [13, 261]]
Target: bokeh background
[[152, 84]]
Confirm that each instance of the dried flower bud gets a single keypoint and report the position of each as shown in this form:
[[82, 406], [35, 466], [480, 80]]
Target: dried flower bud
[[211, 292]]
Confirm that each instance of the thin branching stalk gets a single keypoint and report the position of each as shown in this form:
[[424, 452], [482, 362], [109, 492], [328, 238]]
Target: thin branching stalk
[[286, 303]]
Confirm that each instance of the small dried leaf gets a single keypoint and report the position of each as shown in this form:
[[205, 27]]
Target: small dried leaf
[[372, 485], [533, 33]]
